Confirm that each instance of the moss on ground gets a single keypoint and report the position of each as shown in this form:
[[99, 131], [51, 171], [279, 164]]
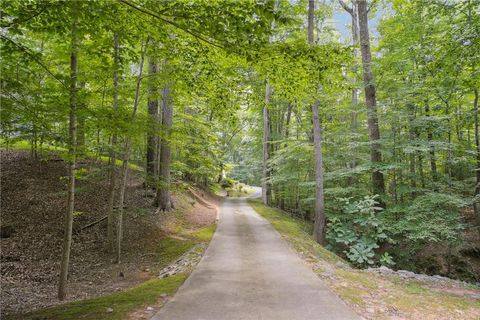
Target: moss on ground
[[205, 234], [371, 295], [122, 303]]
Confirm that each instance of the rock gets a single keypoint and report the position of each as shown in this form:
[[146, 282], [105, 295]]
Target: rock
[[370, 310], [385, 269], [109, 310], [121, 275], [406, 274], [149, 309], [473, 295]]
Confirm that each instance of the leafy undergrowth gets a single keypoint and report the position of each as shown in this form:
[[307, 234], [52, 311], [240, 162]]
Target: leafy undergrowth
[[46, 149], [239, 190], [120, 305], [373, 295]]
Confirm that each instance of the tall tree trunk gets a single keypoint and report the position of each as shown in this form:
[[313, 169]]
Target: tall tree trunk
[[448, 168], [164, 200], [370, 98], [125, 160], [152, 135], [283, 189], [413, 174], [353, 11], [320, 219], [319, 229], [81, 141], [113, 154], [67, 240], [266, 186], [394, 154], [433, 160], [477, 145]]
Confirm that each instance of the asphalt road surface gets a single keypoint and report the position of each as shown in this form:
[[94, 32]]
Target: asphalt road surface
[[249, 272]]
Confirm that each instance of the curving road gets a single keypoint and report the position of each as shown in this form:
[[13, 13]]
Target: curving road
[[249, 272]]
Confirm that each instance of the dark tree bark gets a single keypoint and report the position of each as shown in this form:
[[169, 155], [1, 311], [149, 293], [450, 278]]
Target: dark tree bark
[[152, 135], [413, 174], [477, 145], [311, 21], [266, 186], [319, 229], [113, 154], [433, 160], [163, 199], [67, 240], [370, 98]]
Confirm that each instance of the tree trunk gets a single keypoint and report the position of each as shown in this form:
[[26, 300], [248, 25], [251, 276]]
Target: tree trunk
[[370, 99], [266, 186], [354, 121], [311, 22], [413, 174], [125, 160], [477, 145], [67, 240], [283, 189], [113, 155], [433, 160], [81, 144], [163, 199], [152, 135], [320, 219], [319, 229]]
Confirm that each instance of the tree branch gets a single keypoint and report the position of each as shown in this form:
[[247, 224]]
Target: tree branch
[[152, 14], [345, 7], [18, 21], [36, 59], [374, 2]]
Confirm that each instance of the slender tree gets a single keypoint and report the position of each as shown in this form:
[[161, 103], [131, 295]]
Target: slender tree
[[353, 11], [477, 169], [126, 159], [319, 229], [113, 154], [266, 186], [152, 109], [72, 133]]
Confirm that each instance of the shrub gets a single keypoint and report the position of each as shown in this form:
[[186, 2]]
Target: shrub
[[433, 217], [358, 230]]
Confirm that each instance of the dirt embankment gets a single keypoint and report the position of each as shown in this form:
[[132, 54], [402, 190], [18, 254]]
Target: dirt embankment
[[33, 204]]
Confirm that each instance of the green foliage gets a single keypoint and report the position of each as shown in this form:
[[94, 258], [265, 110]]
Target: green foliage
[[358, 230], [228, 183], [431, 218]]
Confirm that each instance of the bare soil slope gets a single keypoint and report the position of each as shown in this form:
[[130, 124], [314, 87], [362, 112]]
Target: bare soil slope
[[32, 216]]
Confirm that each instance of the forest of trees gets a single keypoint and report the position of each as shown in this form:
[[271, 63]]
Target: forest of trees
[[374, 138]]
